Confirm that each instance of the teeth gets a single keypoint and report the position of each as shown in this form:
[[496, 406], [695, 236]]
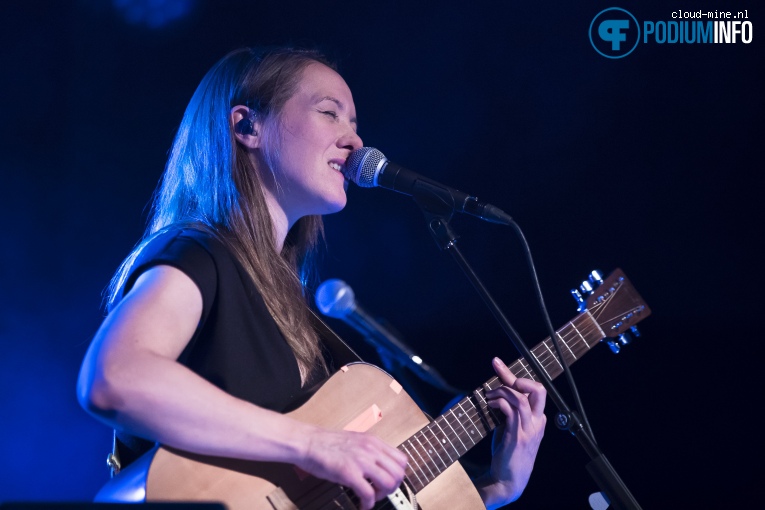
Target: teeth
[[336, 167]]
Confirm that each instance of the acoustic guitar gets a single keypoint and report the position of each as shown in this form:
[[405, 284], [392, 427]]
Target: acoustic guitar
[[362, 397]]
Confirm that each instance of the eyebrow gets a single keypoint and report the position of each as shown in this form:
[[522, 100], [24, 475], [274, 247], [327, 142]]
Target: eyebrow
[[339, 105]]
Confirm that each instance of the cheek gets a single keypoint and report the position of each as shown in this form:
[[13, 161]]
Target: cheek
[[272, 145]]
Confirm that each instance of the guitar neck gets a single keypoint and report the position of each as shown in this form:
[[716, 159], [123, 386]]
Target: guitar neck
[[447, 438]]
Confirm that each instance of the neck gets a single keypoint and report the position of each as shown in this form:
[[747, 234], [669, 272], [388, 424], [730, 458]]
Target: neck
[[279, 219]]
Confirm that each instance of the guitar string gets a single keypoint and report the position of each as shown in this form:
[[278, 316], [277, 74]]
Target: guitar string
[[329, 495], [574, 339], [386, 503], [546, 358], [476, 419], [459, 436]]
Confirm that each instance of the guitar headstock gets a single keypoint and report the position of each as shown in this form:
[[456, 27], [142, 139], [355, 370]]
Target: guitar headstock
[[614, 304]]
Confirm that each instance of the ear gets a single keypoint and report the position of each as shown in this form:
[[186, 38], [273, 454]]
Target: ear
[[242, 118]]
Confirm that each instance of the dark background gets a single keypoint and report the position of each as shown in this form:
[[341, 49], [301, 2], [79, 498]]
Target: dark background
[[651, 163]]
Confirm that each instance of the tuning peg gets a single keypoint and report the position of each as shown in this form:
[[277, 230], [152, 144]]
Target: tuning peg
[[579, 300], [596, 277], [635, 332], [586, 287], [614, 345]]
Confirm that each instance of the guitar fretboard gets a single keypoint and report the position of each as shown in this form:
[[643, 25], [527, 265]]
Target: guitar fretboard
[[447, 438]]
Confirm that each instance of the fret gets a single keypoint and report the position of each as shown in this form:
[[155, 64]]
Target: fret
[[543, 365], [582, 346], [476, 420], [472, 432], [528, 373], [459, 451], [440, 443], [412, 467], [520, 372], [472, 418], [423, 478], [419, 450], [433, 448], [427, 459], [443, 441], [487, 413], [563, 341], [580, 335], [464, 433], [554, 358], [585, 320], [600, 331]]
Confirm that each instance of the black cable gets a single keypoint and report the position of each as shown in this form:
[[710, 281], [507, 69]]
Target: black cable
[[551, 331]]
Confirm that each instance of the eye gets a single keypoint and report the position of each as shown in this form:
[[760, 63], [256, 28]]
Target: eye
[[329, 113]]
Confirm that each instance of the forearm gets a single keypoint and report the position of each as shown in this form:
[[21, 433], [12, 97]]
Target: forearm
[[159, 399], [131, 380]]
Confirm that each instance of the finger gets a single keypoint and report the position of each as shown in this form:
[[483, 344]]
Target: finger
[[512, 420], [514, 400], [536, 392], [364, 491], [391, 463], [503, 372], [390, 458], [398, 456], [383, 466], [383, 483]]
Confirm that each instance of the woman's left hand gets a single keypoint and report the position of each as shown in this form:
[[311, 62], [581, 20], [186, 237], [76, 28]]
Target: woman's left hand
[[516, 442]]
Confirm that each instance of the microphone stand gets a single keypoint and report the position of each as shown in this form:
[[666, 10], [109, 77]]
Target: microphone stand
[[438, 205]]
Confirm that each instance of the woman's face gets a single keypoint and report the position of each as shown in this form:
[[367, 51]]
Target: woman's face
[[316, 132]]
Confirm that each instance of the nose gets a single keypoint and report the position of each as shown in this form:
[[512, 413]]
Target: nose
[[350, 140]]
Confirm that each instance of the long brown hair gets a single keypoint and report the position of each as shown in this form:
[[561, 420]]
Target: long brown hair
[[211, 184]]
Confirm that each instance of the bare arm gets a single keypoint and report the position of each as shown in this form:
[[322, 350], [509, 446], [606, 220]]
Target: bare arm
[[131, 381]]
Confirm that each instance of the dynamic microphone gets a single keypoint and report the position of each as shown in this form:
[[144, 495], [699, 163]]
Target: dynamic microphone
[[368, 168], [336, 299]]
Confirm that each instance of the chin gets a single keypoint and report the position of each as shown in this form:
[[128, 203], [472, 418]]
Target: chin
[[329, 203], [336, 206]]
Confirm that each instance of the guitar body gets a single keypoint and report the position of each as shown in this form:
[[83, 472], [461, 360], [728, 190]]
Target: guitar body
[[359, 397], [363, 398]]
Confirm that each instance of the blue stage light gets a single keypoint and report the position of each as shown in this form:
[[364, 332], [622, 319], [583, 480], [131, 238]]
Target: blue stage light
[[153, 13]]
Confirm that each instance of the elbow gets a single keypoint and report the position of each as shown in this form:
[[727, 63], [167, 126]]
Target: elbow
[[94, 392]]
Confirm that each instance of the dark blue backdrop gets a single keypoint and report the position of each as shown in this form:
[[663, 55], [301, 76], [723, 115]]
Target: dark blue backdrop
[[651, 163]]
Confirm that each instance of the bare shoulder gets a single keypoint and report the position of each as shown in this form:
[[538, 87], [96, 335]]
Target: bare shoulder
[[139, 339], [159, 314]]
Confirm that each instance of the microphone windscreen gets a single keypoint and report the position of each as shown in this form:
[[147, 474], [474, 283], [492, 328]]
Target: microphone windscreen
[[335, 298], [363, 166]]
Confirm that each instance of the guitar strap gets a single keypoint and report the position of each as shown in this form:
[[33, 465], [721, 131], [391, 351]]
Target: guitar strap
[[340, 352], [127, 448]]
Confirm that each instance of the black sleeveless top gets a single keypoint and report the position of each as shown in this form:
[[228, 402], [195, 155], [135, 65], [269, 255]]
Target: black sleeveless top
[[237, 345]]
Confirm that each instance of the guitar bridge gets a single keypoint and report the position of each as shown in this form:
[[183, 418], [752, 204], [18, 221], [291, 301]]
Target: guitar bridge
[[400, 501]]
